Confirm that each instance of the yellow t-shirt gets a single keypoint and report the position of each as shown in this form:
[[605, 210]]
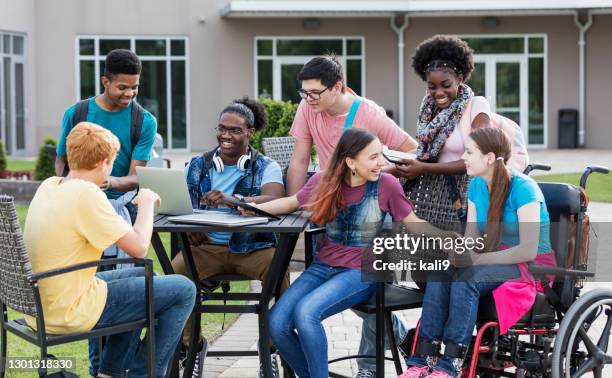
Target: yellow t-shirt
[[70, 222]]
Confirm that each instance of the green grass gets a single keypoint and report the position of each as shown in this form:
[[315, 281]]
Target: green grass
[[598, 187], [211, 323], [20, 165]]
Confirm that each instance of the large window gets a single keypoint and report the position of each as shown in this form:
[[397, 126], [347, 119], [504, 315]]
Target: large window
[[12, 95], [511, 72], [163, 82], [278, 60]]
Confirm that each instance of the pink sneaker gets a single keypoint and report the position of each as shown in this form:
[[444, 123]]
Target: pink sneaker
[[415, 372], [439, 374]]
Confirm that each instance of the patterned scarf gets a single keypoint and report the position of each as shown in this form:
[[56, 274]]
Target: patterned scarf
[[432, 131]]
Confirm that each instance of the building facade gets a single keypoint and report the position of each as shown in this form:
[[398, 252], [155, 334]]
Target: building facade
[[534, 59]]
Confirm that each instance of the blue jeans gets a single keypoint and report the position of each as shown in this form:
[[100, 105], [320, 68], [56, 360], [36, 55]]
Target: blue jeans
[[320, 292], [450, 306], [174, 298], [367, 345]]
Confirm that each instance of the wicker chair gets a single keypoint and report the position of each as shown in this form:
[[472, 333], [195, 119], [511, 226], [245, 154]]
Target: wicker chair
[[279, 149], [19, 291]]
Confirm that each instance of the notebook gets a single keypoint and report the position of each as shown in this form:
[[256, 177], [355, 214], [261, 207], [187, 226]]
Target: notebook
[[218, 218]]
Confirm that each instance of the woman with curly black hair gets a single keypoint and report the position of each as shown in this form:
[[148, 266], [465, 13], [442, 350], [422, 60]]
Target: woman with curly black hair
[[445, 64]]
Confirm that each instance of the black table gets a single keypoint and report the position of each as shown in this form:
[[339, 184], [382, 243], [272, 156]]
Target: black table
[[288, 230]]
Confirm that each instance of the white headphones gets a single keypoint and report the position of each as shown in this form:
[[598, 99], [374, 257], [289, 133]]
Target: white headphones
[[243, 161]]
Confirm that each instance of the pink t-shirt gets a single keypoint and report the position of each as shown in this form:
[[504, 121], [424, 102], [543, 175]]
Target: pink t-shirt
[[391, 199], [325, 130], [454, 146]]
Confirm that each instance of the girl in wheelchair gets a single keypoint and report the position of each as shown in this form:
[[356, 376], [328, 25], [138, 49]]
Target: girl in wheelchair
[[351, 198], [507, 208]]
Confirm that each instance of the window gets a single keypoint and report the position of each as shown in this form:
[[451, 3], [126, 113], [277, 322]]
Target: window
[[511, 72], [278, 60], [12, 93], [163, 81]]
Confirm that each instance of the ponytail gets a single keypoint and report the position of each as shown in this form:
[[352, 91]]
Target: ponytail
[[492, 140], [500, 185]]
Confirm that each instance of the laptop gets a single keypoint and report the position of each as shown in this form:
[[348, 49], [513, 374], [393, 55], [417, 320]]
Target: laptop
[[171, 186]]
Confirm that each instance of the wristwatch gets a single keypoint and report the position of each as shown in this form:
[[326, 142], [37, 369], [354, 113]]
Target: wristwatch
[[239, 196]]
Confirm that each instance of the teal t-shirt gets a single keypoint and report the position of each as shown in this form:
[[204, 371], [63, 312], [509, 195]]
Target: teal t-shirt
[[523, 190], [118, 123]]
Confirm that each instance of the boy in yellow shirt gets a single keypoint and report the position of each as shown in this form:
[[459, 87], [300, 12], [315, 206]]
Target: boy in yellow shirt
[[70, 221]]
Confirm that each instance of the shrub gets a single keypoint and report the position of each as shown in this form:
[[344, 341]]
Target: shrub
[[280, 117], [45, 165], [2, 157]]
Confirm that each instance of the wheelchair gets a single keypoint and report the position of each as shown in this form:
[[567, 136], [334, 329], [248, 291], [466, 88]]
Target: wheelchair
[[564, 334]]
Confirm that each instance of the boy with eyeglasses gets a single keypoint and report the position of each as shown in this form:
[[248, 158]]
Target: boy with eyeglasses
[[328, 107], [232, 169]]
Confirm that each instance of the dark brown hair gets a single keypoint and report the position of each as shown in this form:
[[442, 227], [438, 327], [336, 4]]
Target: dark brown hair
[[327, 196], [493, 140]]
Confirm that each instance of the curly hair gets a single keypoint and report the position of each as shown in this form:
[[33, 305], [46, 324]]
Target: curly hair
[[443, 52], [261, 118]]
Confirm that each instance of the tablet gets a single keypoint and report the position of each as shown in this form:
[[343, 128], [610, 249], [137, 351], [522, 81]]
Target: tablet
[[397, 156], [246, 206]]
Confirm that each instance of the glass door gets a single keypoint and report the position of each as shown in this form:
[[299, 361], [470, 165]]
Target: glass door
[[502, 80]]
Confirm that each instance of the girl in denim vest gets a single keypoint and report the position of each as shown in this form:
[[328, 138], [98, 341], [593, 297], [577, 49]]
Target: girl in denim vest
[[351, 199]]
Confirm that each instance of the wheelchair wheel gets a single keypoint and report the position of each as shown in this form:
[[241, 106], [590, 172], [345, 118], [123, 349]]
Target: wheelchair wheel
[[582, 342]]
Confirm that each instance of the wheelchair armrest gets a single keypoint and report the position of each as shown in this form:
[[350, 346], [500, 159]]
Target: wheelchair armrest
[[536, 166], [538, 270], [90, 264]]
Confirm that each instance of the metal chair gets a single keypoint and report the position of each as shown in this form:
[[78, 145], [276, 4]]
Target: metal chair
[[19, 290], [157, 152], [279, 149]]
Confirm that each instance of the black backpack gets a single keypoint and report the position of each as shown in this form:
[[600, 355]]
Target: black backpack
[[137, 116]]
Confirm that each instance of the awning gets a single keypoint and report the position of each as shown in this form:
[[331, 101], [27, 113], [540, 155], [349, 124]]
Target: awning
[[423, 8]]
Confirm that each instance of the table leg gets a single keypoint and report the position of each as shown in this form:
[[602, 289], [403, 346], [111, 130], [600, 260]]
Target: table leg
[[380, 329], [161, 253], [278, 267]]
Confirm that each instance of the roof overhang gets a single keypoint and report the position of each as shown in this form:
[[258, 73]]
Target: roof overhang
[[417, 8]]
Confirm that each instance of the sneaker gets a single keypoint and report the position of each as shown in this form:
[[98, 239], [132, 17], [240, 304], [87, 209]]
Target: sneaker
[[365, 373], [440, 374], [198, 366], [415, 372], [275, 372]]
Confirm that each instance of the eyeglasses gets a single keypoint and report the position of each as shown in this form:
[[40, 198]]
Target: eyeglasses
[[232, 130], [314, 95]]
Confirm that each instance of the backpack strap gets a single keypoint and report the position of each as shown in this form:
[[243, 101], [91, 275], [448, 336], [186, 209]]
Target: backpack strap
[[80, 115], [80, 112], [352, 112], [137, 118]]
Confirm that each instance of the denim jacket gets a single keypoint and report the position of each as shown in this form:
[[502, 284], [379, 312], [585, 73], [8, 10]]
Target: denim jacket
[[358, 224], [199, 183]]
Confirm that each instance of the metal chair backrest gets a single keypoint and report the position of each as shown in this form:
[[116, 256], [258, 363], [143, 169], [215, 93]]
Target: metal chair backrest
[[279, 149], [15, 289], [157, 152]]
